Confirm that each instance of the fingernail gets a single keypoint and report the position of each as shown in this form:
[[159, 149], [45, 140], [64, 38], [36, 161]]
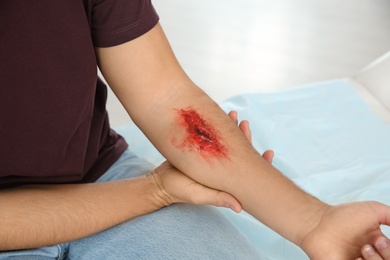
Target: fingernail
[[382, 243], [369, 250]]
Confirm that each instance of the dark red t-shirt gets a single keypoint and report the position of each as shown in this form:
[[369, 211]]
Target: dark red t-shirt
[[53, 122]]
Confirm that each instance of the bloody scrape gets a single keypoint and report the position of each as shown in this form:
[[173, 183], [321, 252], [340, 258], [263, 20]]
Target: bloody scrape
[[200, 135]]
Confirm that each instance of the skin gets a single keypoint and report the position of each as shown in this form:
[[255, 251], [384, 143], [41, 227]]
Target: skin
[[150, 83]]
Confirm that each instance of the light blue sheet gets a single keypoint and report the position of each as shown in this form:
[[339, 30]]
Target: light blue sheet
[[325, 138]]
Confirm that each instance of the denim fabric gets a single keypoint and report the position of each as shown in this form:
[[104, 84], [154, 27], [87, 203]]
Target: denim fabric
[[43, 253], [180, 231]]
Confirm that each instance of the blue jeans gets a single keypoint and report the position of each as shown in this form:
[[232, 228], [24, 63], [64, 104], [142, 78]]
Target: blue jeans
[[180, 231]]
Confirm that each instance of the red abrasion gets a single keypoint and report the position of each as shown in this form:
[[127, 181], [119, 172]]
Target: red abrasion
[[200, 135]]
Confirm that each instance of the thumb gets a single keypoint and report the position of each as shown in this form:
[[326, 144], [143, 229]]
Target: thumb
[[226, 200], [219, 199]]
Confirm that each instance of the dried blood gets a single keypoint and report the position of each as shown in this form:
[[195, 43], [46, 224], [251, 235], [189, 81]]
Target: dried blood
[[200, 135]]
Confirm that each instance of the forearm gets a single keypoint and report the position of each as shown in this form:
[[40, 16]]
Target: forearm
[[41, 215], [232, 165]]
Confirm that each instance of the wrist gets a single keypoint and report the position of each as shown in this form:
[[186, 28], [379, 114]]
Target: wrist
[[159, 195], [310, 223]]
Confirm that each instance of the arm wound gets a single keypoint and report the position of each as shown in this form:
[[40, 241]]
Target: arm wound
[[200, 135]]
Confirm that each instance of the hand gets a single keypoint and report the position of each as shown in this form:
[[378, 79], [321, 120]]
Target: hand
[[176, 187], [346, 231]]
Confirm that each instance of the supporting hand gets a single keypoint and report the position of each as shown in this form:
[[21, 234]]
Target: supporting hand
[[380, 251]]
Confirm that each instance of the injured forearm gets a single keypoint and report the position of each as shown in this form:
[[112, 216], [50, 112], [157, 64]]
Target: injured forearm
[[199, 139]]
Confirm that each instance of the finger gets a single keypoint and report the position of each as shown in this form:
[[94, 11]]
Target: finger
[[234, 116], [382, 246], [268, 155], [383, 212], [244, 127], [369, 253]]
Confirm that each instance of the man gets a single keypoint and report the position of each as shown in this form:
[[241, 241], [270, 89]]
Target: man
[[57, 143]]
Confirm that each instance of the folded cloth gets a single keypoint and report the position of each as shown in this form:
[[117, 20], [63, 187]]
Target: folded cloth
[[326, 139]]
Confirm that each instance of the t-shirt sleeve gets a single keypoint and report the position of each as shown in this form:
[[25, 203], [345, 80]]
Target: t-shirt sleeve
[[114, 22]]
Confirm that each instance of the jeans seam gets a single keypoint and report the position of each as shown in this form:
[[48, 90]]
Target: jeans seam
[[62, 251]]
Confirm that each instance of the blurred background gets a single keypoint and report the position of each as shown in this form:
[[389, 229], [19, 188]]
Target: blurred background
[[230, 47]]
